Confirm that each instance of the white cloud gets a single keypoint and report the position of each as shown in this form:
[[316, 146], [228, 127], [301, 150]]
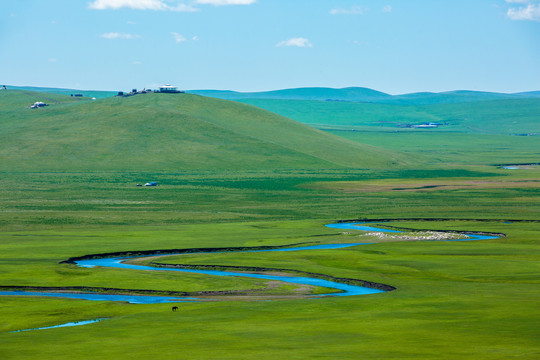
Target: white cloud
[[530, 12], [298, 42], [162, 5], [139, 5], [387, 9], [178, 37], [115, 35], [355, 10], [226, 2], [183, 8], [131, 4]]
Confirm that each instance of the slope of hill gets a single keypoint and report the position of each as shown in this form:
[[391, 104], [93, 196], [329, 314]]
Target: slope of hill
[[313, 93], [482, 132], [359, 94], [166, 132], [530, 93], [355, 94], [452, 97], [503, 116]]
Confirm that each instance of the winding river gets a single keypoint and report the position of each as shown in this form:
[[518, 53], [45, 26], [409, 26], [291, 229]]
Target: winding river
[[119, 262]]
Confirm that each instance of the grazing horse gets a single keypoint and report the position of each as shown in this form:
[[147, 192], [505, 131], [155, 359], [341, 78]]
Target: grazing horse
[[174, 308]]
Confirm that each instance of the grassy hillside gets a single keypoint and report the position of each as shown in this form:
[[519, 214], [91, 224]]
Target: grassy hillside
[[483, 132], [313, 93], [165, 132], [455, 97], [503, 117], [68, 173], [357, 94], [360, 94]]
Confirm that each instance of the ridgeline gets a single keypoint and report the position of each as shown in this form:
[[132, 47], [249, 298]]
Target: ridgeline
[[166, 132]]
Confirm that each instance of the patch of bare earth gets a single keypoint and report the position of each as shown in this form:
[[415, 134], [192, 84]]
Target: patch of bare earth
[[354, 187]]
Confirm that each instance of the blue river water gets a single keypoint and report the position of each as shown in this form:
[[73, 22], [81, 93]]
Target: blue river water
[[118, 262], [345, 289], [361, 226], [73, 323], [132, 299]]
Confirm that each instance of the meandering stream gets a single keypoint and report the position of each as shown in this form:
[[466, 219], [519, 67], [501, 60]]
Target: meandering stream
[[119, 262]]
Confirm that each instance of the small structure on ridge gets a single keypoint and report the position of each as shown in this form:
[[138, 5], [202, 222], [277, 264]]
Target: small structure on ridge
[[169, 89]]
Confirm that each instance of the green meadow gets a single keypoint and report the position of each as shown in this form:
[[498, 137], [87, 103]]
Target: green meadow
[[234, 175], [495, 131]]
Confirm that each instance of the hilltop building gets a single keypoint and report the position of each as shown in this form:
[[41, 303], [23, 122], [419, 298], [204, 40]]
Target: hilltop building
[[162, 89], [169, 89]]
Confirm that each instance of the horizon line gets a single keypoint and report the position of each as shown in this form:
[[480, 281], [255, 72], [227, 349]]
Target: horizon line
[[292, 88]]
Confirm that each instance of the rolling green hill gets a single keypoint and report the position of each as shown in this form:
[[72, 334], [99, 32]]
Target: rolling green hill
[[165, 132], [480, 132], [360, 94], [313, 93], [502, 117], [68, 173], [354, 94]]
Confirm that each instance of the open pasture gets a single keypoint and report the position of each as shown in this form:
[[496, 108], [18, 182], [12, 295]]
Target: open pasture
[[482, 294], [453, 299]]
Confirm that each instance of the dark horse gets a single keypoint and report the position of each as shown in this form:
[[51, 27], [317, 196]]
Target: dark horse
[[174, 308]]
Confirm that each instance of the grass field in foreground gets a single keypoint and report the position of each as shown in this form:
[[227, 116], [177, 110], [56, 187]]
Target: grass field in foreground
[[481, 295]]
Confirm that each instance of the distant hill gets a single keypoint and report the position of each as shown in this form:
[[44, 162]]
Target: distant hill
[[313, 93], [352, 94], [359, 94], [166, 133], [516, 116], [452, 97], [530, 94]]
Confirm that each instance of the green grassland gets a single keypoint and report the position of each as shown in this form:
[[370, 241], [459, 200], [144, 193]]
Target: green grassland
[[500, 117], [482, 295], [232, 175], [365, 95], [163, 132], [496, 132]]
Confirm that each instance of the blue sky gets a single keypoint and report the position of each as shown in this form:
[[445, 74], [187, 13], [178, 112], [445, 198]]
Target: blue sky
[[395, 46]]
